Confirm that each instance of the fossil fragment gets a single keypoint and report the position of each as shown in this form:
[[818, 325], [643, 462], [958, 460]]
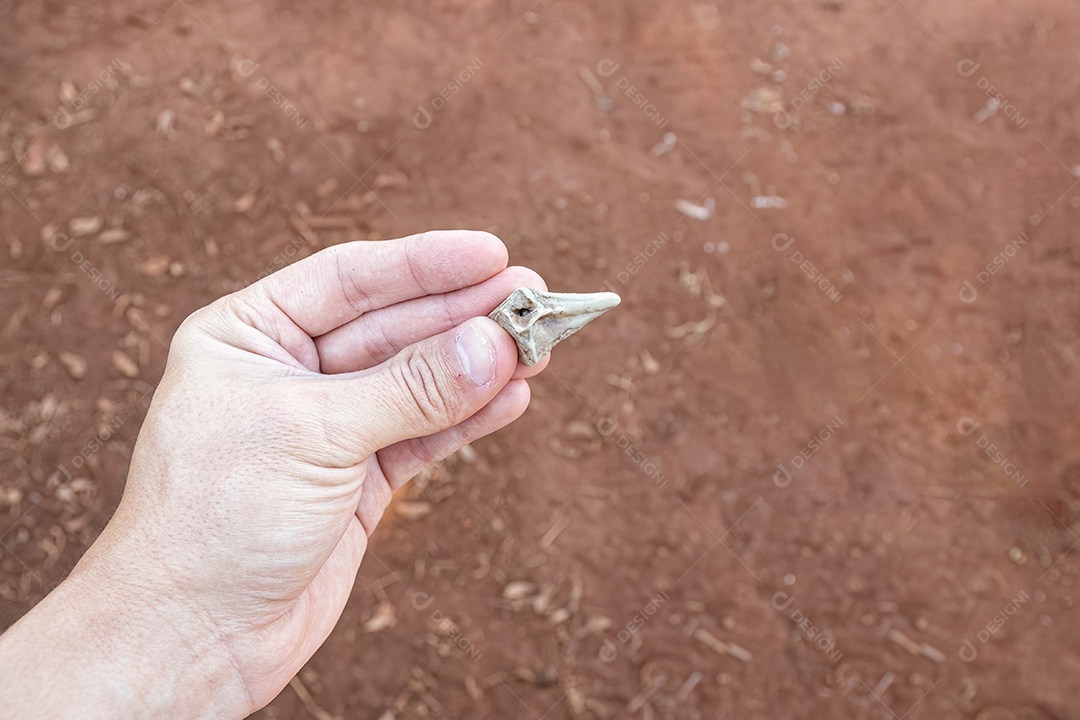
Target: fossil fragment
[[539, 320]]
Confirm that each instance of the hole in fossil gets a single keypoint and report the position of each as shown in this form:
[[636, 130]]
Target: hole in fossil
[[522, 311]]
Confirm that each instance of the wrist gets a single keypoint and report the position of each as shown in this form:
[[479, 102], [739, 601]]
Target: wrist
[[101, 645]]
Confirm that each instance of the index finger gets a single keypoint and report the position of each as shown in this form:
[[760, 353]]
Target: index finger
[[339, 284]]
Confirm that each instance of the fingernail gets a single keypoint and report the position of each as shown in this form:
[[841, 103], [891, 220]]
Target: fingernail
[[476, 351]]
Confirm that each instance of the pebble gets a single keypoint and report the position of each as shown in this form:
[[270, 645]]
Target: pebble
[[83, 226], [112, 236], [155, 266], [468, 454], [413, 510], [125, 365], [579, 430], [76, 365]]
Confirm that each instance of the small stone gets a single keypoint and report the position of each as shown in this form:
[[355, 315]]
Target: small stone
[[413, 510], [245, 202], [649, 363], [580, 430], [468, 454], [57, 160], [761, 67], [52, 298], [383, 618], [155, 266], [165, 121], [112, 236], [75, 365], [764, 100], [277, 150], [83, 226], [33, 160], [518, 590], [125, 365], [391, 180]]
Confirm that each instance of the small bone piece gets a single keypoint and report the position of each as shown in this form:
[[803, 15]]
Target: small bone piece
[[539, 320]]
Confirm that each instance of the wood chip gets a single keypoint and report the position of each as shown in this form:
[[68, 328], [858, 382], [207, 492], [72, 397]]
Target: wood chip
[[84, 226], [646, 693], [904, 641], [411, 510], [112, 236], [688, 687], [558, 524], [932, 653], [307, 701], [721, 647]]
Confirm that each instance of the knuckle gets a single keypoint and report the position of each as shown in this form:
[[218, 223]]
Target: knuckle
[[355, 296], [191, 332], [421, 385]]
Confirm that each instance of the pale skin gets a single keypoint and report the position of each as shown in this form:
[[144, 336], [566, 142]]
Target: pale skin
[[288, 414]]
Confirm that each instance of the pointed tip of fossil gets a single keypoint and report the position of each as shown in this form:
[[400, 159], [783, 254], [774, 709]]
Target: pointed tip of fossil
[[606, 300]]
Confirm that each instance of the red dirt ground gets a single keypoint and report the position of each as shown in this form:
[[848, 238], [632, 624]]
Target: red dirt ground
[[620, 550]]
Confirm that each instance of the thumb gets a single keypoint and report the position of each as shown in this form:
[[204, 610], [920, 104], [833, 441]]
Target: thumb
[[430, 386]]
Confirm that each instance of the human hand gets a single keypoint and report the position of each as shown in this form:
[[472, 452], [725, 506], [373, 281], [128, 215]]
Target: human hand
[[288, 414]]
